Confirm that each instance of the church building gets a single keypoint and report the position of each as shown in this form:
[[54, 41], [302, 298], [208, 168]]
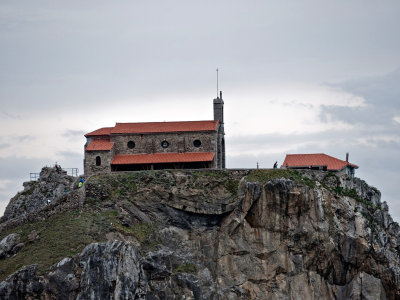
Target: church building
[[158, 145]]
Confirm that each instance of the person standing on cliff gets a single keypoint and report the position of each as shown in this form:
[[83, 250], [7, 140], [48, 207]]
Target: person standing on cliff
[[275, 165]]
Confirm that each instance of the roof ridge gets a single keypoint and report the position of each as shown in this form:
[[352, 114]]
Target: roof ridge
[[164, 122]]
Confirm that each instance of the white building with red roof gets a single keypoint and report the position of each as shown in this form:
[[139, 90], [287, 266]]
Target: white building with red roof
[[158, 145], [319, 161]]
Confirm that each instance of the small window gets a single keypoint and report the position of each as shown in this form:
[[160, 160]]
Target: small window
[[164, 144], [98, 161], [197, 143], [131, 144]]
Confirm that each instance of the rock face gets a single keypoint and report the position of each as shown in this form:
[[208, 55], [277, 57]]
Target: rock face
[[10, 245], [52, 184], [187, 235]]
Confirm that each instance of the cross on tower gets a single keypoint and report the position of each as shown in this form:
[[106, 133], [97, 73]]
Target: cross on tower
[[217, 82]]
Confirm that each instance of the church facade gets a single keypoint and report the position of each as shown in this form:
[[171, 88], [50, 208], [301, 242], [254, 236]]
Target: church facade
[[158, 145]]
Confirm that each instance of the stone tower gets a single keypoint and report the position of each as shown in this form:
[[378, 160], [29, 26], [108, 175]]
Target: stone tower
[[219, 115]]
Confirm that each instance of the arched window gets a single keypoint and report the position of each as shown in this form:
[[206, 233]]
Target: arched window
[[98, 161]]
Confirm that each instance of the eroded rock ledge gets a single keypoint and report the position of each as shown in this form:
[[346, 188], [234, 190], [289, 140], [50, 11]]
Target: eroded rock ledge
[[273, 234]]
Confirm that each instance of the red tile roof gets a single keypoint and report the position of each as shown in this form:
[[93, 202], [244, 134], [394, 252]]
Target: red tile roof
[[157, 158], [101, 131], [320, 159], [99, 145], [156, 127]]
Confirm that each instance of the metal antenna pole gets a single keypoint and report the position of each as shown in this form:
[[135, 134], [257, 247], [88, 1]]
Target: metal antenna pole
[[217, 82]]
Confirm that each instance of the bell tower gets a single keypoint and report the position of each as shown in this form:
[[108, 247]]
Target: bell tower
[[219, 109], [219, 115]]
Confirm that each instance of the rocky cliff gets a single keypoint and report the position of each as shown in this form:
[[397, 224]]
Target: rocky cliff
[[261, 234]]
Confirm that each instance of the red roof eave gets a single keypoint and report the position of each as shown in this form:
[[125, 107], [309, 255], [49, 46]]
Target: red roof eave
[[105, 131], [156, 158], [99, 145]]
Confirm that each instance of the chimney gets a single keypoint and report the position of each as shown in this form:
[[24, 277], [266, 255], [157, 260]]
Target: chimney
[[347, 157]]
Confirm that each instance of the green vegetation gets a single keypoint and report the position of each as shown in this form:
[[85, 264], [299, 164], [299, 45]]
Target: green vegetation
[[210, 173], [232, 186], [123, 185], [59, 236], [66, 234], [327, 181], [268, 175], [186, 268], [143, 232], [352, 193]]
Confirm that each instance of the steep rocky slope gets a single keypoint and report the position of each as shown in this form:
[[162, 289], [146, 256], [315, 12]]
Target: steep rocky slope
[[53, 184], [261, 234]]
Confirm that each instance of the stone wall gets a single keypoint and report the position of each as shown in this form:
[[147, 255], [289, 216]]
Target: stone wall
[[151, 143], [90, 162], [220, 151]]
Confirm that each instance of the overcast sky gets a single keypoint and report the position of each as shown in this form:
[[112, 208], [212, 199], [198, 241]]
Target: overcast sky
[[305, 76]]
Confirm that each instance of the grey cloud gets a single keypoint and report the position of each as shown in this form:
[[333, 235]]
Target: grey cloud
[[382, 95], [12, 116], [250, 161], [16, 171], [348, 137], [24, 138], [70, 154], [13, 167], [8, 141], [72, 133], [70, 159], [55, 58]]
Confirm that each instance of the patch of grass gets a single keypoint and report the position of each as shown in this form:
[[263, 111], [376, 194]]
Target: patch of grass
[[307, 181], [367, 203], [210, 173], [186, 268], [113, 213], [352, 193], [232, 186], [330, 174], [141, 231], [338, 190], [268, 175], [60, 236]]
